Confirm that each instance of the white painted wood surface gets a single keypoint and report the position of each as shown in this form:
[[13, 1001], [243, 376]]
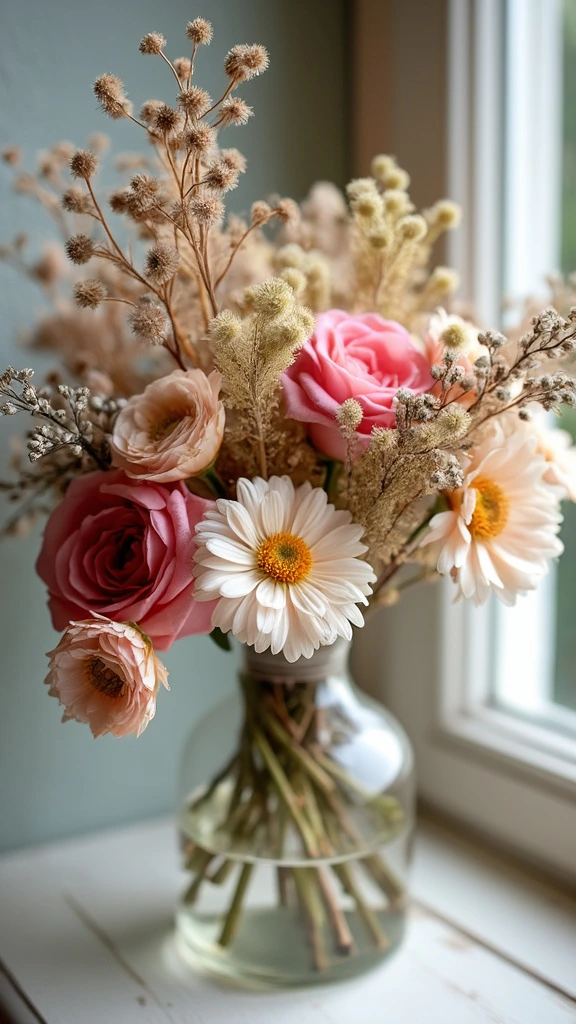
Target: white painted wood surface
[[85, 931]]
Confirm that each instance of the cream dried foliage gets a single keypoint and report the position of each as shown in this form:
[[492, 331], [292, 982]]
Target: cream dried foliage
[[252, 351], [400, 468]]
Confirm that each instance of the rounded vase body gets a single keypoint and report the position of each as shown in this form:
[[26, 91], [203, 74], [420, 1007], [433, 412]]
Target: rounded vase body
[[295, 824]]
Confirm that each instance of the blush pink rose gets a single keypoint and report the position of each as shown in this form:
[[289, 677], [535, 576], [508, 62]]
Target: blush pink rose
[[106, 674], [361, 357], [125, 549]]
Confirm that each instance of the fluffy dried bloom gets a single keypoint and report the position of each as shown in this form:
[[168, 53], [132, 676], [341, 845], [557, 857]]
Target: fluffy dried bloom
[[285, 567], [412, 228], [83, 164], [233, 159], [199, 32], [349, 416], [444, 280], [287, 211], [149, 321], [260, 212], [162, 262], [76, 200], [119, 201], [149, 109], [109, 91], [106, 674], [381, 166], [99, 142], [89, 294], [206, 207], [167, 121], [173, 430], [51, 266], [144, 193], [397, 178], [199, 138], [244, 62], [11, 155], [79, 249], [153, 42], [235, 111], [182, 67], [195, 101], [220, 176], [444, 214]]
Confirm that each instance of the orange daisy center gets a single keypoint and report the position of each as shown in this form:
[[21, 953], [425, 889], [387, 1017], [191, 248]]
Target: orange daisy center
[[102, 678], [284, 557], [491, 510]]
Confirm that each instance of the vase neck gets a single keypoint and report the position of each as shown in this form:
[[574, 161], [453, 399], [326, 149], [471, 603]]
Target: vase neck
[[273, 668]]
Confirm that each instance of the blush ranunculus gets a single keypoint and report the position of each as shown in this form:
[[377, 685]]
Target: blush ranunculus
[[362, 357], [173, 430], [125, 549], [106, 674]]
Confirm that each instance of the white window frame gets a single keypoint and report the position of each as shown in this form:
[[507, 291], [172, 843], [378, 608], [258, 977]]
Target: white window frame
[[511, 778]]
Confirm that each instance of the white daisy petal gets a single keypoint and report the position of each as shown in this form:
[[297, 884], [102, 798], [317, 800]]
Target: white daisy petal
[[271, 594], [239, 584]]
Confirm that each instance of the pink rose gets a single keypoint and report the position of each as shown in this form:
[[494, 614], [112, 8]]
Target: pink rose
[[361, 357], [106, 674], [173, 430], [125, 549]]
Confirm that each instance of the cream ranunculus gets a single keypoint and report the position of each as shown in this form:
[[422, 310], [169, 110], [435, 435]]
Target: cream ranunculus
[[106, 674], [173, 430]]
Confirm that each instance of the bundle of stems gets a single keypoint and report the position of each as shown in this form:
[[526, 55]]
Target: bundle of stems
[[282, 797]]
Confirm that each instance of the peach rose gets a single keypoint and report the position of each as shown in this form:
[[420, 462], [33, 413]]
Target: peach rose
[[106, 674], [361, 357], [125, 549], [173, 430]]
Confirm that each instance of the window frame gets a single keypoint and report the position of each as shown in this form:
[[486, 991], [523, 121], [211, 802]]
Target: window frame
[[509, 777]]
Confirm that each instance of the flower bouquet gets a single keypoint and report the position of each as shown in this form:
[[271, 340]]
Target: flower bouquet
[[260, 426]]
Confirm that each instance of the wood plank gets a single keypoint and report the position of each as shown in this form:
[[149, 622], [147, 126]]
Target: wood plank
[[85, 927], [511, 909]]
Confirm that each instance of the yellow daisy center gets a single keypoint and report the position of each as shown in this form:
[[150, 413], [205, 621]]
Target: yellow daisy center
[[102, 678], [284, 557], [491, 510]]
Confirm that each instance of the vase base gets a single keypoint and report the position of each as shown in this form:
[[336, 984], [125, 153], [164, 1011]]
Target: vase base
[[270, 952]]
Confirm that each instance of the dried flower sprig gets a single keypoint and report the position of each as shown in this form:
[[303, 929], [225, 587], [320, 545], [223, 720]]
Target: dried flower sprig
[[251, 352]]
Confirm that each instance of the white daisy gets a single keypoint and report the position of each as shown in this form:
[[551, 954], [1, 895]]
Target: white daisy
[[501, 528], [284, 566]]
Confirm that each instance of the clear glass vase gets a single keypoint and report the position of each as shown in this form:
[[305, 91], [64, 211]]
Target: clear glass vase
[[295, 824]]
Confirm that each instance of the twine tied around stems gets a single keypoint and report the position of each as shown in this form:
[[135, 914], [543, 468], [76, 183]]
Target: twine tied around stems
[[327, 661]]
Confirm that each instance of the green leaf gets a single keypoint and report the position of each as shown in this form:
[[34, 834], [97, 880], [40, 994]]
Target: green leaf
[[220, 638]]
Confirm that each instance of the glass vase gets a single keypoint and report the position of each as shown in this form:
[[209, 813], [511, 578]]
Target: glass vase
[[295, 825]]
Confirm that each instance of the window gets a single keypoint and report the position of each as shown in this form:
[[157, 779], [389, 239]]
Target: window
[[489, 695]]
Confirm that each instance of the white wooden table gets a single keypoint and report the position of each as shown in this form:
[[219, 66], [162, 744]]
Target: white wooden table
[[85, 938]]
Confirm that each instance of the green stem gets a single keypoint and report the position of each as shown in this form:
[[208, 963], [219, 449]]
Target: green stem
[[234, 914], [366, 913], [214, 482], [314, 911], [296, 751], [286, 792]]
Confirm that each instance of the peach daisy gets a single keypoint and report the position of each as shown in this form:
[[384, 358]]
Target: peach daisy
[[501, 528]]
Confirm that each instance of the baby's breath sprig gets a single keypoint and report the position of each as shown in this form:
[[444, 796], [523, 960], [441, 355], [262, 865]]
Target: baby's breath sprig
[[66, 423]]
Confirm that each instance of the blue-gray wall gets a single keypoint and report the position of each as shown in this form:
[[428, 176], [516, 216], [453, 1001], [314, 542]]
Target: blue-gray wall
[[54, 779]]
